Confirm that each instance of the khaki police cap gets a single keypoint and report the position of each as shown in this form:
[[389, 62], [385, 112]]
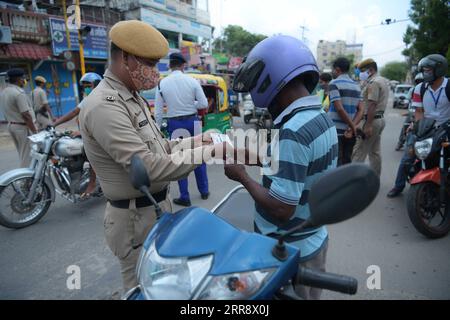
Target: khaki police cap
[[139, 39], [40, 79], [365, 63]]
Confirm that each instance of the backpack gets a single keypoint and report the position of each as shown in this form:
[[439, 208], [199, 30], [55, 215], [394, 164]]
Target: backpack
[[425, 86]]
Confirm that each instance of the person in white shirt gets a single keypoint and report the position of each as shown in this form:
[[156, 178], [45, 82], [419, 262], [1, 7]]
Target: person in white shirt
[[431, 100], [183, 97]]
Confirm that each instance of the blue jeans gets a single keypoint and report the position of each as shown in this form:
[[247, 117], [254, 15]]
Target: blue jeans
[[405, 165], [200, 173]]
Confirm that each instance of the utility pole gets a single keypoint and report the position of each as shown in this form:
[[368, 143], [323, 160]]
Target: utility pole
[[80, 37], [69, 45], [304, 28]]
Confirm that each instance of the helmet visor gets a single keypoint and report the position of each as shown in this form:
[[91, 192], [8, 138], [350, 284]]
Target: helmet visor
[[247, 75]]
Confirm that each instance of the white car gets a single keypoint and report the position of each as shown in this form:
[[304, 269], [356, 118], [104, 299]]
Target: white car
[[401, 98]]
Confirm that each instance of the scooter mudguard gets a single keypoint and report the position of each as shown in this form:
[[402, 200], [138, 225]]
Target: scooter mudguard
[[432, 175]]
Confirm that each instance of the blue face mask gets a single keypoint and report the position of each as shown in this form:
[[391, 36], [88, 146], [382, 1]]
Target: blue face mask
[[87, 91]]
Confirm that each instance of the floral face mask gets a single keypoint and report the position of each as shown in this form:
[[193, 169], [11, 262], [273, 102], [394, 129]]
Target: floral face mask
[[144, 77]]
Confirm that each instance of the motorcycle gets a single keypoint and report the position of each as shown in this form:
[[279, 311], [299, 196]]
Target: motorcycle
[[428, 200], [196, 254], [58, 165]]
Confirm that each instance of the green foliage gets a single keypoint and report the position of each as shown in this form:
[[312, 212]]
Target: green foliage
[[430, 33], [236, 41], [395, 71]]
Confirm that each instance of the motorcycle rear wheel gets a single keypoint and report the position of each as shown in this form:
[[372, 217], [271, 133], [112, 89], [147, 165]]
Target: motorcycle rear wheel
[[21, 215], [423, 206]]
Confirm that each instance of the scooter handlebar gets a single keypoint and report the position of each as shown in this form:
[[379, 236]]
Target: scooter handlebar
[[327, 281]]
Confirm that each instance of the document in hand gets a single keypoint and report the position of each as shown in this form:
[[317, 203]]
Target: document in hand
[[221, 138]]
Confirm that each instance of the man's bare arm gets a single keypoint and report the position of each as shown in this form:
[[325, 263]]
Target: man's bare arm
[[344, 115], [359, 114], [419, 114]]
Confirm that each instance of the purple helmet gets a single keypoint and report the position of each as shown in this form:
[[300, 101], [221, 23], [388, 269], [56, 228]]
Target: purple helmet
[[272, 64]]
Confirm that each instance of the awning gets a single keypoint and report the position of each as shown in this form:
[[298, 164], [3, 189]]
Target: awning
[[29, 51]]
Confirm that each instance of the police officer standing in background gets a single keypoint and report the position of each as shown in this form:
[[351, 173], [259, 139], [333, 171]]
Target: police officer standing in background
[[375, 99], [116, 124], [183, 96], [44, 117], [19, 114]]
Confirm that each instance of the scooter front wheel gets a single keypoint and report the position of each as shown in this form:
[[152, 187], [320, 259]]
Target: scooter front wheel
[[426, 212], [15, 213]]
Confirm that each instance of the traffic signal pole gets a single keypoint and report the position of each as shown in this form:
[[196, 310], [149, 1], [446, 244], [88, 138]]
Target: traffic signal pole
[[69, 44], [80, 39]]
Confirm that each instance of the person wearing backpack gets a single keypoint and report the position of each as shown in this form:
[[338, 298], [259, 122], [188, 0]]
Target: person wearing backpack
[[431, 100]]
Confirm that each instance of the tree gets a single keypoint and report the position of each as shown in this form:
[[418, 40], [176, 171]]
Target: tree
[[395, 71], [236, 41], [430, 33]]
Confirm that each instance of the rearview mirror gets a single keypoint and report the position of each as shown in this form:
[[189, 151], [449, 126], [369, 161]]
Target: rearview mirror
[[342, 194], [138, 173]]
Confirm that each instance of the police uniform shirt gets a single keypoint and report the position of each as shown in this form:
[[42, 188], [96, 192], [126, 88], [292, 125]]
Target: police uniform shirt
[[39, 98], [377, 90], [15, 102], [115, 125]]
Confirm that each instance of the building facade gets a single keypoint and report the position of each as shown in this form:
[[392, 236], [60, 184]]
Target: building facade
[[328, 51], [34, 38], [184, 23]]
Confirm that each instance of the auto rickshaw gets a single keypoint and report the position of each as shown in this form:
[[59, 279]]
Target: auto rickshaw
[[217, 116]]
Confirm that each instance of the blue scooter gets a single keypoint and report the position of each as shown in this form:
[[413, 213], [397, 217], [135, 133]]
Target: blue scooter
[[195, 254]]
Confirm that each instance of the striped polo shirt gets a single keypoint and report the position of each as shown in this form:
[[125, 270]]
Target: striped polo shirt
[[306, 147], [347, 91]]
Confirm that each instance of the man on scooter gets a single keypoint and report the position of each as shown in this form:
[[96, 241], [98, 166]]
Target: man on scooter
[[281, 73], [431, 100]]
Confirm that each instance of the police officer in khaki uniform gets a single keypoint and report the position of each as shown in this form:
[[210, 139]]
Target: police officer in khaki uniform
[[375, 96], [18, 112], [115, 123], [44, 117]]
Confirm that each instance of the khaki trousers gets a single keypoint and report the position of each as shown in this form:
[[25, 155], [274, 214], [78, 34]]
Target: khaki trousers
[[42, 121], [126, 231], [371, 147], [19, 134]]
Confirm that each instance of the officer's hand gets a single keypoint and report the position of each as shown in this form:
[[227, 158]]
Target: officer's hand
[[75, 134], [235, 172], [206, 137], [368, 131]]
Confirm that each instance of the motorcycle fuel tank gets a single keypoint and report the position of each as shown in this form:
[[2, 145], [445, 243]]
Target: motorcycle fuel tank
[[68, 147]]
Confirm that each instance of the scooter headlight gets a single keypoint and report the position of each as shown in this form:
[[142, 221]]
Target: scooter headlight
[[423, 148], [171, 278], [236, 286]]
